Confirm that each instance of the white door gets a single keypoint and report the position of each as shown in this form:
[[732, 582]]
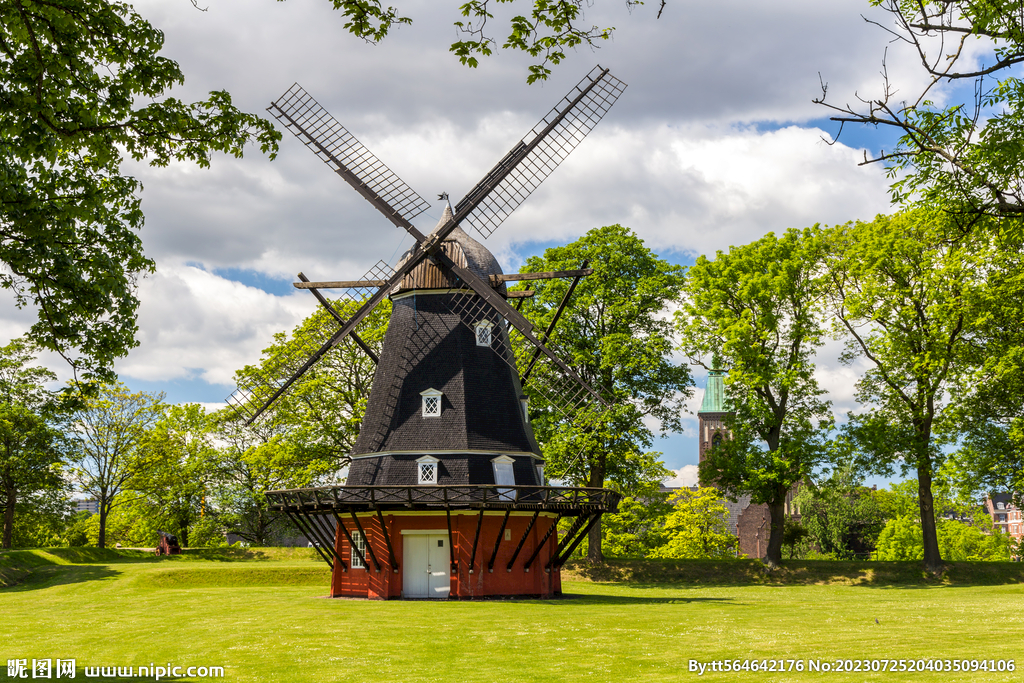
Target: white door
[[438, 582], [425, 571]]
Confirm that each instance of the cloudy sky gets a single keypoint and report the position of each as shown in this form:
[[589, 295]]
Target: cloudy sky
[[714, 143]]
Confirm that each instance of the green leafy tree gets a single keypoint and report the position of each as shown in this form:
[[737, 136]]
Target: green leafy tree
[[961, 155], [614, 334], [909, 301], [175, 465], [639, 525], [108, 431], [83, 87], [842, 517], [321, 413], [902, 540], [30, 444], [758, 310], [697, 527]]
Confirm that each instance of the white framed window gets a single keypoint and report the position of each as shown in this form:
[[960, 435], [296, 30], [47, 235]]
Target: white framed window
[[431, 402], [358, 543], [504, 476], [483, 332], [540, 473], [426, 470], [525, 403]]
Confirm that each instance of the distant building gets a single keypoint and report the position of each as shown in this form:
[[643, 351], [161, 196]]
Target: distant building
[[750, 522], [88, 504], [1006, 516]]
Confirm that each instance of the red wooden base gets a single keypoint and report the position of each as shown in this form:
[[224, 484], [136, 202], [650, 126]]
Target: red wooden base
[[471, 578]]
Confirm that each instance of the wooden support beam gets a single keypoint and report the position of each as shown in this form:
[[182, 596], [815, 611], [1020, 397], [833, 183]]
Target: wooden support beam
[[536, 551], [525, 294], [339, 284], [369, 546], [476, 539], [341, 321], [358, 553], [451, 540], [549, 275], [554, 320], [522, 541], [497, 542], [387, 540], [315, 540], [559, 559]]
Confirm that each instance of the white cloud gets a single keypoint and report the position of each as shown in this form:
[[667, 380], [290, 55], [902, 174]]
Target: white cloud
[[684, 476], [196, 324]]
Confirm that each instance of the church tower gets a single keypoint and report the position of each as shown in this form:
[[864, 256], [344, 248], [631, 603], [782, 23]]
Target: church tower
[[713, 416]]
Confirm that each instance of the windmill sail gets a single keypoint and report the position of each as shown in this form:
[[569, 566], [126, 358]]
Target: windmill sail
[[540, 151], [349, 158]]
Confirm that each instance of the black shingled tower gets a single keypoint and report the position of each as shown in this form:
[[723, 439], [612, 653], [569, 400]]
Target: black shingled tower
[[431, 344]]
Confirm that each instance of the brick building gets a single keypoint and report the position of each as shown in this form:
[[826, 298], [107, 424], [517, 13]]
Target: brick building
[[1006, 516]]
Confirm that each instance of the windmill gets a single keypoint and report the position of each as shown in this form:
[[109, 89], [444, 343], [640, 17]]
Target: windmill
[[447, 431]]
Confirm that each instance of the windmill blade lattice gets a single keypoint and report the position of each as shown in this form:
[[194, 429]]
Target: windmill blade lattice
[[340, 150], [568, 395], [254, 387], [541, 151]]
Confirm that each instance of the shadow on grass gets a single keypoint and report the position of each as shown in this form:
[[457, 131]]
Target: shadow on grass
[[58, 575], [592, 599]]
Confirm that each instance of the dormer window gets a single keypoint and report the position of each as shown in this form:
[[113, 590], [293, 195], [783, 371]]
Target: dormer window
[[483, 332], [426, 470], [504, 476], [431, 402]]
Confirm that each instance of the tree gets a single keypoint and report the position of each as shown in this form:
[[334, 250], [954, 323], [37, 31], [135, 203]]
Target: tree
[[908, 300], [639, 525], [902, 540], [30, 446], [615, 336], [698, 527], [962, 156], [757, 311], [83, 86], [176, 462], [108, 431], [842, 518]]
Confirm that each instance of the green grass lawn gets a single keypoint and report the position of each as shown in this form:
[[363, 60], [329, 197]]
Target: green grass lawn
[[261, 615]]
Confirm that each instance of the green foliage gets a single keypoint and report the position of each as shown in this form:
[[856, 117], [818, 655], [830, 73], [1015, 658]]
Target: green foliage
[[756, 309], [614, 335], [902, 539], [639, 525], [963, 156], [175, 465], [842, 518], [82, 83], [31, 446], [108, 431], [697, 528], [910, 301]]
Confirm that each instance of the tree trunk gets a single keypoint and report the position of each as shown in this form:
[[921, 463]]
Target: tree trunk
[[102, 540], [932, 557], [594, 553], [9, 518], [777, 512]]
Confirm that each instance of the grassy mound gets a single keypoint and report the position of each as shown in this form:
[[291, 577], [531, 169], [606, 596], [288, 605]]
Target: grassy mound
[[234, 577], [793, 572]]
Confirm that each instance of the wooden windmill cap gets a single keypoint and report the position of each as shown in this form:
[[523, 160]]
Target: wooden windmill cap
[[459, 247]]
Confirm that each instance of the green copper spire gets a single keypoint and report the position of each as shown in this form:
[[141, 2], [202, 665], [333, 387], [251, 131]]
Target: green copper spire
[[714, 394]]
